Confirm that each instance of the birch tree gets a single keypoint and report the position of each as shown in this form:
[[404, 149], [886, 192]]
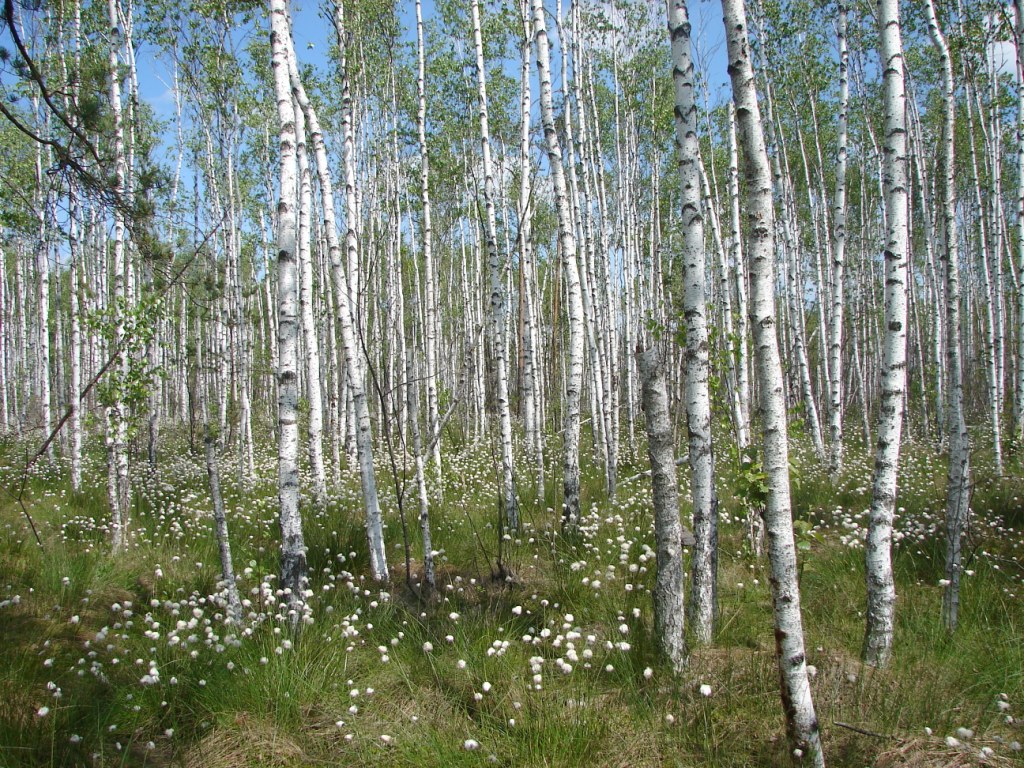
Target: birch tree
[[570, 265], [835, 331], [293, 550], [431, 323], [118, 488], [669, 611], [881, 589], [1018, 46], [495, 269], [958, 477], [696, 365], [801, 721]]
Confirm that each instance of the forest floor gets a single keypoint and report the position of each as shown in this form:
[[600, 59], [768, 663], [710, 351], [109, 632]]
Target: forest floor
[[128, 661]]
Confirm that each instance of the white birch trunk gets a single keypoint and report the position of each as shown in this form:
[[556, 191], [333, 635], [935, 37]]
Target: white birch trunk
[[431, 321], [293, 550], [696, 364], [117, 416], [309, 330], [958, 477], [1018, 400], [835, 331], [495, 269], [529, 321], [738, 264], [801, 721], [669, 585], [567, 245], [359, 419], [881, 590]]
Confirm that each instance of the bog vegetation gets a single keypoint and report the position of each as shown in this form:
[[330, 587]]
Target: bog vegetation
[[503, 382]]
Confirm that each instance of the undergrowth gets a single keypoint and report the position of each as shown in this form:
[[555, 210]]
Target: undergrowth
[[130, 661]]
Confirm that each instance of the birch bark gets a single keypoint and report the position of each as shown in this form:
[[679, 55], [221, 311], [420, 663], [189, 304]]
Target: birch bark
[[495, 269], [567, 246], [669, 585], [696, 364], [881, 590], [835, 331], [293, 550], [801, 721], [958, 477], [306, 306], [430, 291]]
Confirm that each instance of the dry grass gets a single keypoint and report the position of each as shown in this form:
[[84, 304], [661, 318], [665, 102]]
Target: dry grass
[[245, 742], [935, 753]]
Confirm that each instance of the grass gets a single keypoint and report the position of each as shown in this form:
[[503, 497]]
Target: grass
[[555, 666]]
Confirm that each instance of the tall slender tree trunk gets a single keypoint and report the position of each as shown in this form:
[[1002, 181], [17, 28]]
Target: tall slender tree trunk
[[293, 550], [118, 486], [567, 246], [801, 721], [835, 330], [1018, 400], [738, 264], [958, 477], [495, 268], [431, 322], [307, 304], [530, 386], [881, 589], [696, 364], [358, 421]]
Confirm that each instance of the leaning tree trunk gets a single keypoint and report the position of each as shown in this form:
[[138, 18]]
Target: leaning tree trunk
[[567, 245], [356, 391], [696, 365], [293, 550], [357, 373], [801, 721], [881, 589]]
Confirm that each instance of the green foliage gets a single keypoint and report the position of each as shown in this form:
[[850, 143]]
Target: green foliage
[[127, 385]]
